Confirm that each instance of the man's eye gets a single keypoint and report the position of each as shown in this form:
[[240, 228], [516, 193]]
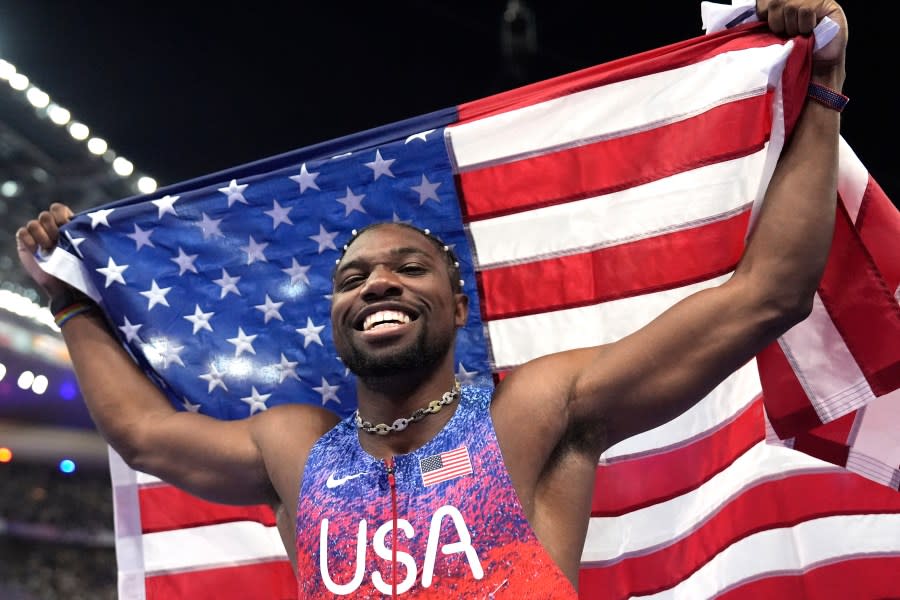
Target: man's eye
[[352, 281], [412, 269]]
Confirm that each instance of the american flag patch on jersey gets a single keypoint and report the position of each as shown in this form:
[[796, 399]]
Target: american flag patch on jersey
[[445, 466]]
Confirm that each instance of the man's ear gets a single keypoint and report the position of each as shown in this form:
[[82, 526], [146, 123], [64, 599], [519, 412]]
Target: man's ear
[[462, 309]]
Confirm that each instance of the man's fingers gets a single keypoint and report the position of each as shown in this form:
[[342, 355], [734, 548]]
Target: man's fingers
[[39, 234], [62, 214], [48, 222], [791, 18], [24, 241]]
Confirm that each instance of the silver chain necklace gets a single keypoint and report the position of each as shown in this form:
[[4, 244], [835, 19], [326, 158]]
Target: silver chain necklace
[[401, 424]]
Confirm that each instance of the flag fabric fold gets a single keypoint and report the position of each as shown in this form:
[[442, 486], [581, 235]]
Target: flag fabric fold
[[581, 207]]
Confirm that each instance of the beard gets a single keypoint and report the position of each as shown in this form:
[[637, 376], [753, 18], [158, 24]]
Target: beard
[[420, 354]]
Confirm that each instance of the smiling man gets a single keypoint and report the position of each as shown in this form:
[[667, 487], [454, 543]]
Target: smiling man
[[433, 490]]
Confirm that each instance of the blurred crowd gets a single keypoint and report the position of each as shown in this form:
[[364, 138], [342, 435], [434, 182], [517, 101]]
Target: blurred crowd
[[56, 534]]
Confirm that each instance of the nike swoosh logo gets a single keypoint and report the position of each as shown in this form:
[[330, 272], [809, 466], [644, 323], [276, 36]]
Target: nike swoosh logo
[[337, 482]]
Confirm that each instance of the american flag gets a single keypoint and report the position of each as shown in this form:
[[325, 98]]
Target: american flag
[[581, 207], [445, 466]]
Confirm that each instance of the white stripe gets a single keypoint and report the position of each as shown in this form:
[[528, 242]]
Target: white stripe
[[658, 525], [853, 179], [720, 405], [670, 204], [70, 269], [790, 550], [211, 546], [519, 339], [127, 524], [824, 365], [146, 479], [616, 109], [875, 450]]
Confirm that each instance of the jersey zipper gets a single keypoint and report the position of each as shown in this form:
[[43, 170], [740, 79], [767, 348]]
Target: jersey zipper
[[392, 483]]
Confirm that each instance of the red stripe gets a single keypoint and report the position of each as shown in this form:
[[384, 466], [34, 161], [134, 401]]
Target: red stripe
[[787, 405], [859, 303], [165, 507], [660, 262], [771, 504], [865, 577], [272, 580], [822, 448], [611, 165], [878, 223], [676, 55], [621, 487]]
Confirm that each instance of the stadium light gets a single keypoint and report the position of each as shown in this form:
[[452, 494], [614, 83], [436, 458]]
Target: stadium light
[[26, 378], [97, 146], [146, 185], [79, 131], [58, 114]]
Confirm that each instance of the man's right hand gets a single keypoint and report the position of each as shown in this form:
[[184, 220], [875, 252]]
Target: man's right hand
[[42, 234]]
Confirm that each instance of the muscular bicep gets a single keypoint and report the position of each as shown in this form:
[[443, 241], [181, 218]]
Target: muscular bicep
[[661, 370], [248, 461], [216, 460]]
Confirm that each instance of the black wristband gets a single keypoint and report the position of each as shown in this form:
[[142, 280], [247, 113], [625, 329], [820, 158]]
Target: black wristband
[[67, 298]]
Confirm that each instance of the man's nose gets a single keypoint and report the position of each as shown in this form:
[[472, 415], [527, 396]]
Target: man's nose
[[381, 282]]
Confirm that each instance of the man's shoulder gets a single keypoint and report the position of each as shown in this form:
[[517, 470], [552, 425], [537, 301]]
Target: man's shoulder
[[305, 423]]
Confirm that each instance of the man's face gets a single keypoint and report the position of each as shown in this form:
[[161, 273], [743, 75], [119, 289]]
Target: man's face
[[393, 309]]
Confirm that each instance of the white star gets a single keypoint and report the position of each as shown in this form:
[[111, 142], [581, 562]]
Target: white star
[[310, 333], [352, 202], [214, 378], [228, 284], [194, 408], [427, 190], [75, 243], [298, 272], [254, 251], [270, 309], [170, 354], [279, 214], [286, 369], [380, 166], [98, 217], [156, 295], [328, 391], [396, 219], [234, 192], [130, 330], [306, 179], [185, 262], [256, 401], [242, 343], [210, 227], [418, 136], [166, 204], [325, 239], [141, 238], [465, 377], [113, 272], [200, 319]]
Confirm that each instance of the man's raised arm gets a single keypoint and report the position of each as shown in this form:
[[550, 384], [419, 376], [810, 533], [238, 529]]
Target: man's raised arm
[[218, 460], [658, 372]]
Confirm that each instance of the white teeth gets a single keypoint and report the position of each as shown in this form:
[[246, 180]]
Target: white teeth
[[385, 316]]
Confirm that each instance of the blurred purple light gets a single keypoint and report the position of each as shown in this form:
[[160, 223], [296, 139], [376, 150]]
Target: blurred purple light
[[68, 390]]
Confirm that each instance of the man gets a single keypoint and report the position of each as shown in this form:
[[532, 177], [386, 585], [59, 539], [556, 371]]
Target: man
[[499, 482]]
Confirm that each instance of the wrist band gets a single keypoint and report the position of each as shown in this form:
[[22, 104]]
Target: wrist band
[[70, 311], [66, 298], [827, 97]]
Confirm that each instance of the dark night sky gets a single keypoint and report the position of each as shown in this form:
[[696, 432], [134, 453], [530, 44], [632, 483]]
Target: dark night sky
[[183, 91]]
